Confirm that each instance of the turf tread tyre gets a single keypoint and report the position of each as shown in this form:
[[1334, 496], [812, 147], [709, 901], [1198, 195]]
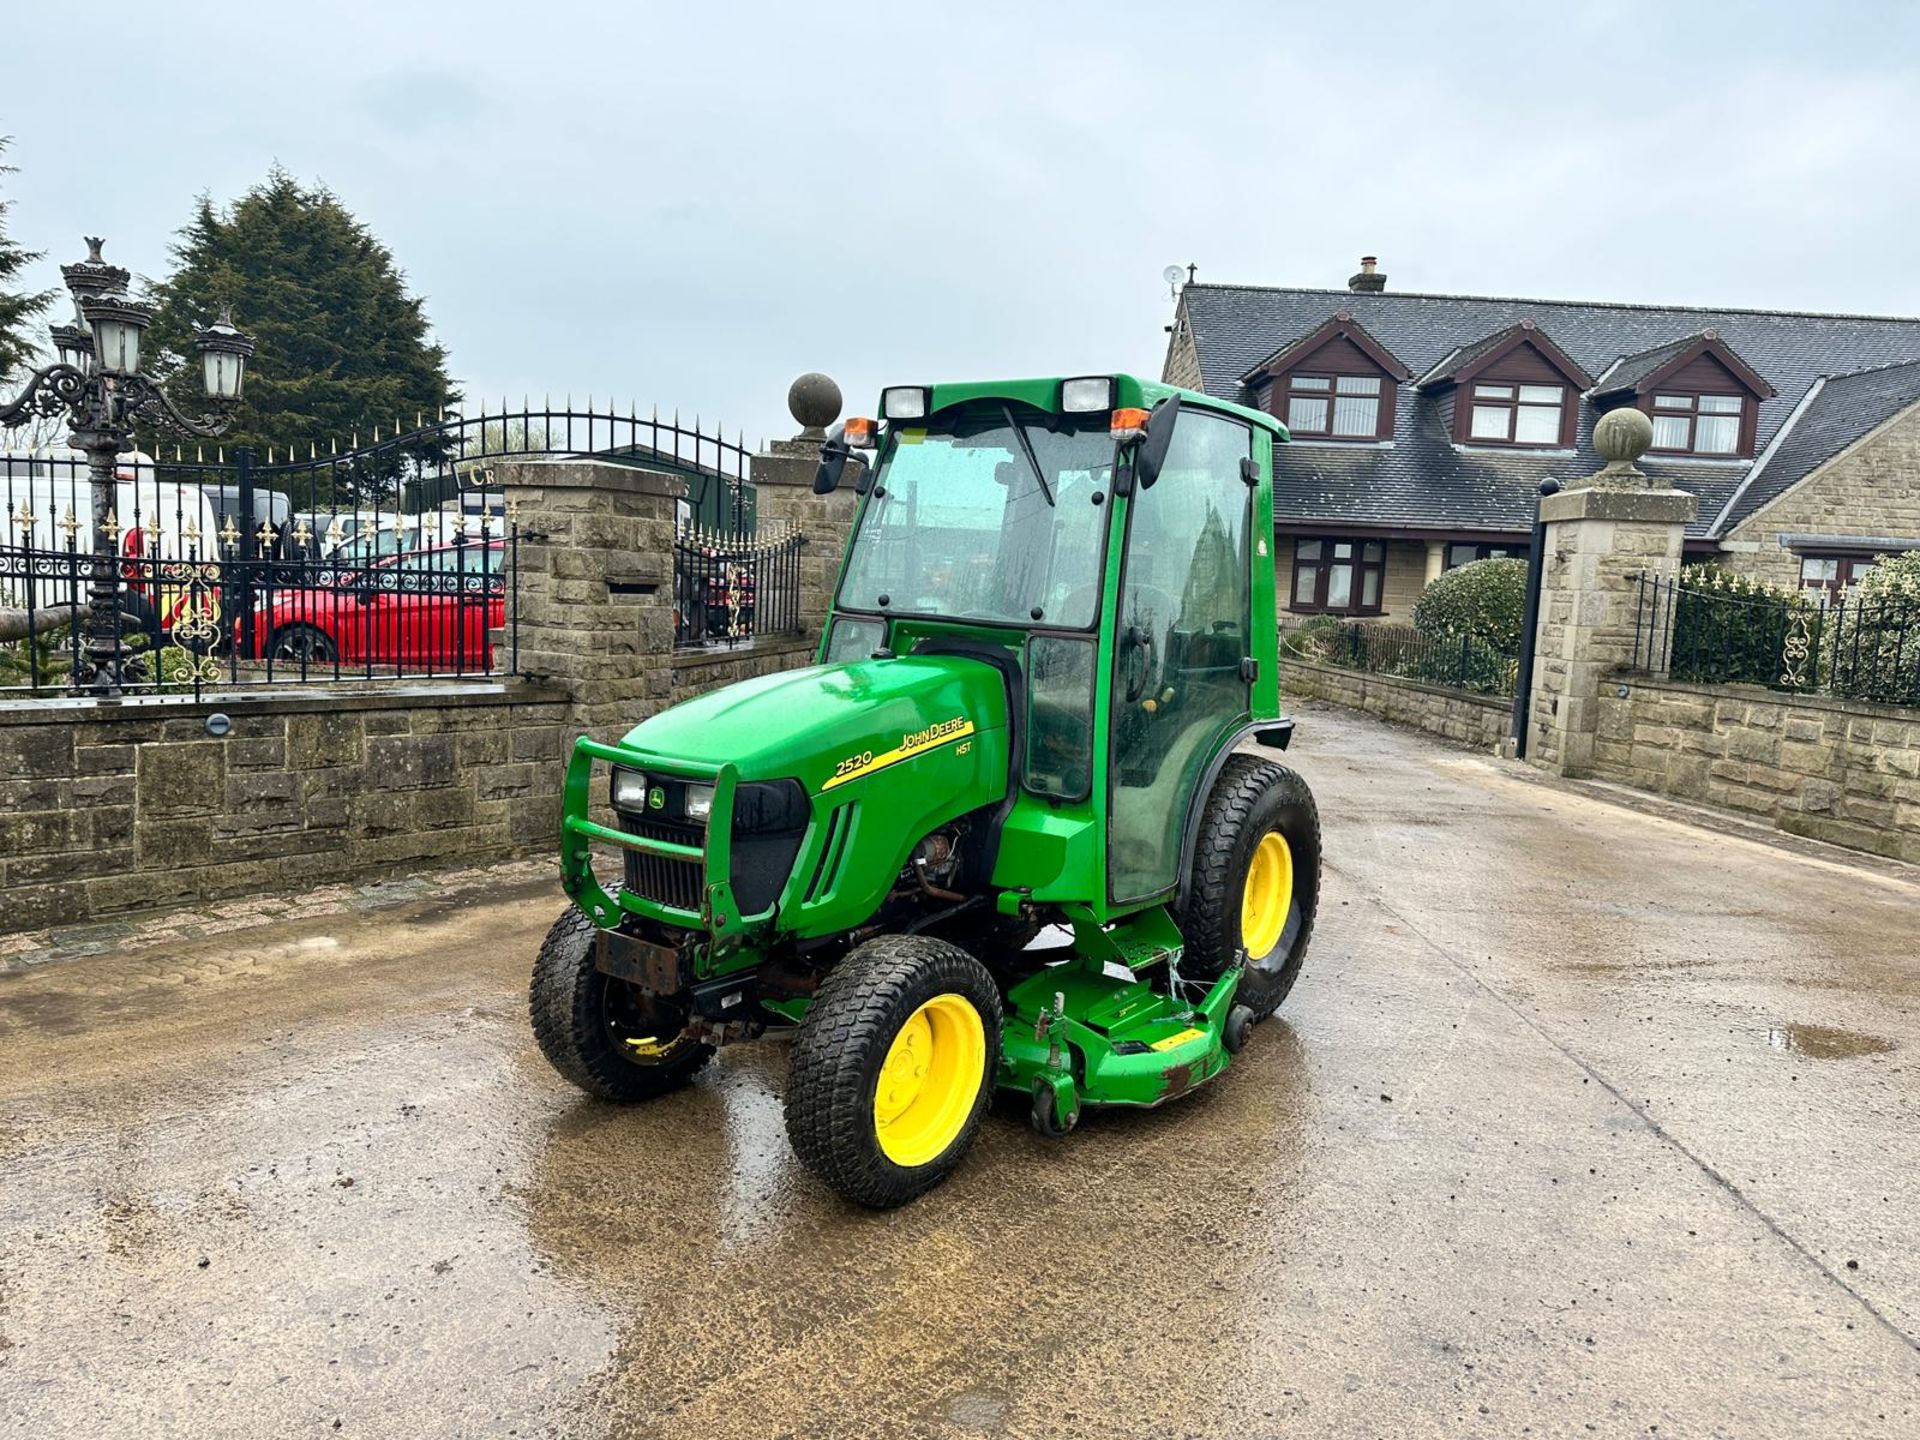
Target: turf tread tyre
[[1251, 797], [856, 1012], [565, 1002]]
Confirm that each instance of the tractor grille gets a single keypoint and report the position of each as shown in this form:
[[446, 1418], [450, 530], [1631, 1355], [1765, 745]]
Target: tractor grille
[[678, 883]]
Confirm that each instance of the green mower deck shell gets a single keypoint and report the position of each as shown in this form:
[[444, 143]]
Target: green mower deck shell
[[888, 750]]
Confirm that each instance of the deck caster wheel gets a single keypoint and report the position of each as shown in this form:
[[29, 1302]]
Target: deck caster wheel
[[1239, 1025], [1045, 1115]]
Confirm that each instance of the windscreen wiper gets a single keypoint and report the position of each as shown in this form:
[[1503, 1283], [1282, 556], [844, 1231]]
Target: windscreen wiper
[[1026, 449]]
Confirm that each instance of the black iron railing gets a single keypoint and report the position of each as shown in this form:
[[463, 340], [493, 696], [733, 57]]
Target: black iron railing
[[331, 523], [727, 590], [193, 615], [1846, 646], [1458, 662]]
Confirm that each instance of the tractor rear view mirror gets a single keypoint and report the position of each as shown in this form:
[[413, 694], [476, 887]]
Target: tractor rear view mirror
[[1153, 449], [834, 455]]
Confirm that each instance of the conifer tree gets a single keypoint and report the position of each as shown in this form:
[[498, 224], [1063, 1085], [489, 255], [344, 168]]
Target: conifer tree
[[20, 339], [343, 347]]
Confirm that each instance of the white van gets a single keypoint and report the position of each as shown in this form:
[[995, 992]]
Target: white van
[[40, 490]]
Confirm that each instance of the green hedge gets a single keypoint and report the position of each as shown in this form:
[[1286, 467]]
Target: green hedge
[[1871, 651], [1483, 601], [1729, 629]]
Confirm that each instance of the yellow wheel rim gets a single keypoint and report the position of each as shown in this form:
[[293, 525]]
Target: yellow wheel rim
[[1268, 896], [929, 1081]]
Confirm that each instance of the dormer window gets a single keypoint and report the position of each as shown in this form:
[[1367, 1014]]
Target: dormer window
[[1334, 383], [1517, 414], [1698, 424], [1703, 398], [1513, 387], [1345, 407]]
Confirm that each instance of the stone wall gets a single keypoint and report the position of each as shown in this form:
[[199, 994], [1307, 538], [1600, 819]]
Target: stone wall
[[1835, 770], [1871, 490], [111, 807], [694, 672], [1480, 722], [1182, 365], [106, 808]]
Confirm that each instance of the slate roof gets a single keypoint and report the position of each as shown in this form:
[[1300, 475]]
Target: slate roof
[[1422, 480], [1463, 357], [1630, 370]]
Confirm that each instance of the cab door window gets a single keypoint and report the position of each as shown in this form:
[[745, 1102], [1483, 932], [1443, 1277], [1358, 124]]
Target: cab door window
[[1181, 637]]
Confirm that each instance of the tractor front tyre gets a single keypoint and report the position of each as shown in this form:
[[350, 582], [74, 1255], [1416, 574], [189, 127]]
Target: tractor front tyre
[[1255, 883], [893, 1068], [612, 1040]]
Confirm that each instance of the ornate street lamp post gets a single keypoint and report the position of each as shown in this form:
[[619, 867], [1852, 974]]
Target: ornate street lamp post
[[96, 383]]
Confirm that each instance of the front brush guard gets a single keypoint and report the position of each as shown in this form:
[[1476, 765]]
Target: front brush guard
[[719, 915]]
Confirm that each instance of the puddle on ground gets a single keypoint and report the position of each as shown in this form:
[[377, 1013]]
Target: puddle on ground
[[1825, 1042]]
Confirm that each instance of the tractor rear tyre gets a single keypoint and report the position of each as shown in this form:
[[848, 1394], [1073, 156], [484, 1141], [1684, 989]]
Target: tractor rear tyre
[[893, 1068], [612, 1040], [1255, 882]]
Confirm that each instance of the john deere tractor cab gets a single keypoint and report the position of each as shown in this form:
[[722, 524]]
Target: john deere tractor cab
[[1010, 832]]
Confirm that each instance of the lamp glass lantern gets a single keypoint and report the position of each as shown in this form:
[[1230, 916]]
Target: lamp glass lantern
[[74, 344], [223, 357], [118, 323]]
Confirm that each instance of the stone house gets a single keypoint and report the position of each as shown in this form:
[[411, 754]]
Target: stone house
[[1424, 424]]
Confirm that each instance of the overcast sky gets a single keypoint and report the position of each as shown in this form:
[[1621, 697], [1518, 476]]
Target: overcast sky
[[690, 204]]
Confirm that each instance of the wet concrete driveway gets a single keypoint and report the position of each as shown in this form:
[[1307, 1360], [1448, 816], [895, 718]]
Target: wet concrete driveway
[[1581, 1121]]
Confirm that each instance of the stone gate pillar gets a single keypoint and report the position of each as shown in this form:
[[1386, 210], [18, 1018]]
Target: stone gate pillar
[[1602, 535], [783, 485], [595, 585]]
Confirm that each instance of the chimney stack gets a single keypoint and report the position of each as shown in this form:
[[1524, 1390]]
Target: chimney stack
[[1369, 281]]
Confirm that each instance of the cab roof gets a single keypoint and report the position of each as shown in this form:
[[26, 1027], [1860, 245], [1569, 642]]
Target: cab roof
[[1043, 393]]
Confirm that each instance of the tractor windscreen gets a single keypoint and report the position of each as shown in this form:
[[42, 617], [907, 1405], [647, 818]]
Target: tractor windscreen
[[993, 511]]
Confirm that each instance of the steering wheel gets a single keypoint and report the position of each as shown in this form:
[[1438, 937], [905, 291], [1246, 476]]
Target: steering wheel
[[1139, 638]]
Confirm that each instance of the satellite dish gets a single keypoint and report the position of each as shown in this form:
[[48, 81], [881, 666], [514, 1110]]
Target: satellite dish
[[1172, 274]]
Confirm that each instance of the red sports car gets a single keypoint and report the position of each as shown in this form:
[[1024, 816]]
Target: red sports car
[[427, 610]]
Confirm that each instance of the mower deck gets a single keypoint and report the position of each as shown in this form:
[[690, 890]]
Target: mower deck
[[1091, 1032]]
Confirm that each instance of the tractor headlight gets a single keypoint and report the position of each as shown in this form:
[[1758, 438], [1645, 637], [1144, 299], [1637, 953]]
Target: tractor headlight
[[699, 802], [1087, 394], [629, 790], [905, 402]]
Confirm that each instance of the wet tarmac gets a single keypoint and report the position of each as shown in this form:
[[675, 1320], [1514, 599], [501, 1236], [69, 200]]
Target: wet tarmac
[[1581, 1121]]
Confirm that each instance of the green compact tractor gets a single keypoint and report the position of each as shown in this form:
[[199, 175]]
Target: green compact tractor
[[1007, 833]]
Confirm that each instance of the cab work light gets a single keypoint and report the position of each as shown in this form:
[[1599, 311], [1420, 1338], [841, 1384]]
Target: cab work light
[[1086, 394], [1128, 424], [905, 402], [861, 432]]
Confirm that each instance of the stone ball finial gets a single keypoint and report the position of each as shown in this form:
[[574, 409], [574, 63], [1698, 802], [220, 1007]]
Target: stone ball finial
[[1622, 436], [814, 400]]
